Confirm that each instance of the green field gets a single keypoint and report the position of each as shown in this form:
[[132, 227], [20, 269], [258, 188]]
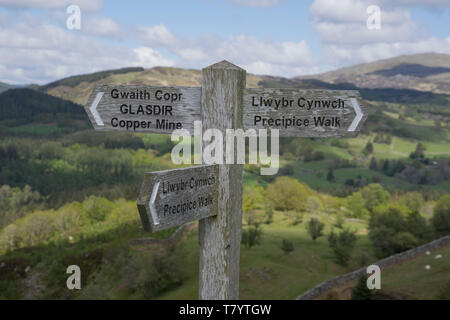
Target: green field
[[399, 148], [266, 272], [413, 279], [409, 279]]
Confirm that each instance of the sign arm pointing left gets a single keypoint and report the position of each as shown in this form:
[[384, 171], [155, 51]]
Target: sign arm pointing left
[[151, 203], [94, 111]]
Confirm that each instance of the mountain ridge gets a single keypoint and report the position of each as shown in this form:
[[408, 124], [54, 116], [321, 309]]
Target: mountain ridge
[[388, 73], [428, 72]]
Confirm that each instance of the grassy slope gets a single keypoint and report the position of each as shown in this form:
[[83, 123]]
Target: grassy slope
[[409, 279], [266, 272]]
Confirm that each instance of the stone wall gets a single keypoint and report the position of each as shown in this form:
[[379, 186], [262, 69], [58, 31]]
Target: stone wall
[[386, 262]]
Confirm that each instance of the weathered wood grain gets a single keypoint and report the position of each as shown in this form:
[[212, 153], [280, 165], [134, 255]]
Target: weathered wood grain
[[346, 115], [193, 196], [184, 110], [220, 236]]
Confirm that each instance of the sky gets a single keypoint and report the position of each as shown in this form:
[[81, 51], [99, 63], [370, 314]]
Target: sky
[[271, 37]]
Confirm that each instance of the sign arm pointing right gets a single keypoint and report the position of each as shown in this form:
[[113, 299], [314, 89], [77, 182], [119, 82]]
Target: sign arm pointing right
[[358, 117]]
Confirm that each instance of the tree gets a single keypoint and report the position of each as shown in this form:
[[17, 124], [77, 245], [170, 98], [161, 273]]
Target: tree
[[288, 194], [404, 241], [441, 216], [269, 213], [394, 228], [313, 204], [251, 198], [385, 167], [16, 203], [419, 226], [374, 195], [330, 176], [357, 205], [373, 164], [287, 170], [287, 246], [342, 245], [339, 221], [419, 153], [368, 149], [251, 236], [361, 291], [413, 200], [315, 228], [96, 209]]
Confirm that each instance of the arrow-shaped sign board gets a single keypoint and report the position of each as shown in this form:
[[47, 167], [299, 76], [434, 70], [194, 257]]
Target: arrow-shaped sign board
[[137, 108], [173, 197], [304, 113]]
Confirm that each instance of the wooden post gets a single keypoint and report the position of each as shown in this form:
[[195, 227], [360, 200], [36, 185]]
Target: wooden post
[[223, 87]]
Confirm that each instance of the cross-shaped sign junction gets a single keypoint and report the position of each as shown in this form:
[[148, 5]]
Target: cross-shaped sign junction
[[212, 194]]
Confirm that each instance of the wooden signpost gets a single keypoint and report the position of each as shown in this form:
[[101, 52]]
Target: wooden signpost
[[212, 194]]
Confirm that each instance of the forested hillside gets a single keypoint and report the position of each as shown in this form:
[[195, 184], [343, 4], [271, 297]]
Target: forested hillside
[[23, 106], [4, 87]]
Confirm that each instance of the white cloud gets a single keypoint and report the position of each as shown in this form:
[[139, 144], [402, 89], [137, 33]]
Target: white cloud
[[262, 57], [346, 39], [247, 49], [256, 3], [148, 57], [342, 11], [33, 50], [344, 22], [85, 5], [40, 52], [264, 68], [370, 52], [192, 54], [354, 33], [101, 26], [422, 2], [158, 36]]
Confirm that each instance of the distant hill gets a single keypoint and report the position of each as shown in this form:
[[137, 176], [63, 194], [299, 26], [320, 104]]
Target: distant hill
[[73, 81], [411, 69], [428, 72], [4, 87], [78, 88], [423, 72], [22, 106], [396, 95]]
